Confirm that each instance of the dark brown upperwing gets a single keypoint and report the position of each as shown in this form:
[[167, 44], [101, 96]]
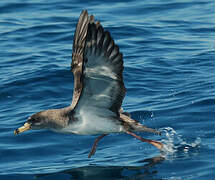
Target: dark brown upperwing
[[78, 53], [102, 77]]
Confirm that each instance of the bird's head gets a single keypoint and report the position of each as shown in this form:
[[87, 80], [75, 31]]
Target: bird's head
[[52, 119], [36, 121]]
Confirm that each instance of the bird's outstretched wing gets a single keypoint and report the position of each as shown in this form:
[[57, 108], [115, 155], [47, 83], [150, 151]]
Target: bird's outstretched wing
[[78, 54], [99, 79]]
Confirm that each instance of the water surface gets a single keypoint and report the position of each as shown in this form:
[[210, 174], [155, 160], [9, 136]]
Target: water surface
[[169, 74]]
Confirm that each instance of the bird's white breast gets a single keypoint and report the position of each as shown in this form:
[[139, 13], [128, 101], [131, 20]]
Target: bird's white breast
[[89, 122]]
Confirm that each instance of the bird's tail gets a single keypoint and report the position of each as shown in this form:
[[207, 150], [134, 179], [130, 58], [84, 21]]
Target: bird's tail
[[135, 126]]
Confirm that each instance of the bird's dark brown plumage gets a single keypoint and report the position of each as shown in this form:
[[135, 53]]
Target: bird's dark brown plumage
[[97, 65]]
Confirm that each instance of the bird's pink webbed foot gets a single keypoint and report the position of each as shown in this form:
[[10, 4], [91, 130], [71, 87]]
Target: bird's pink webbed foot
[[157, 144]]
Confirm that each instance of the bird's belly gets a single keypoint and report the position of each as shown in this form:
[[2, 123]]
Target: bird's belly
[[92, 124]]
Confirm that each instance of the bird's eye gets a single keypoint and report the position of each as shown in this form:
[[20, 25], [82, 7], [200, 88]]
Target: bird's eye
[[34, 121]]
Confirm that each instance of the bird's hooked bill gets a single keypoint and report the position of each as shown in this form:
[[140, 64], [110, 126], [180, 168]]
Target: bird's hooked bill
[[26, 127]]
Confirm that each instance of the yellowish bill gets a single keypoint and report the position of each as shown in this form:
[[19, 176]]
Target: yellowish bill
[[26, 127]]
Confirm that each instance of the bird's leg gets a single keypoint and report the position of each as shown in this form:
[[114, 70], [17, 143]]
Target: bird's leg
[[157, 144], [93, 149]]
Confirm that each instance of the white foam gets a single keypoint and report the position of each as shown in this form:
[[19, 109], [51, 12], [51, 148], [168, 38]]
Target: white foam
[[175, 144]]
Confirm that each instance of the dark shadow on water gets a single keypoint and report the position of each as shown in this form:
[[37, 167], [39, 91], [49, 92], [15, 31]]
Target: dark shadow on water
[[109, 172], [175, 146]]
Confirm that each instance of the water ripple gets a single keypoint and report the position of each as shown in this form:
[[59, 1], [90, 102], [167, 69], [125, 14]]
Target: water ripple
[[169, 63]]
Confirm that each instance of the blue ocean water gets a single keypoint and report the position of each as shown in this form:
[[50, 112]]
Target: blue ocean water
[[169, 59]]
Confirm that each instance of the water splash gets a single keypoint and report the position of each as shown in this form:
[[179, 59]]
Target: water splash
[[171, 137], [175, 145]]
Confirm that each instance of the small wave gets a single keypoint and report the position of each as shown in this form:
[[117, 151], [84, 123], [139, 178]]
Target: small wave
[[175, 145]]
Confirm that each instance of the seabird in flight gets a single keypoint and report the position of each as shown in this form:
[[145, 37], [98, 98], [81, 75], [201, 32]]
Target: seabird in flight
[[99, 90]]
